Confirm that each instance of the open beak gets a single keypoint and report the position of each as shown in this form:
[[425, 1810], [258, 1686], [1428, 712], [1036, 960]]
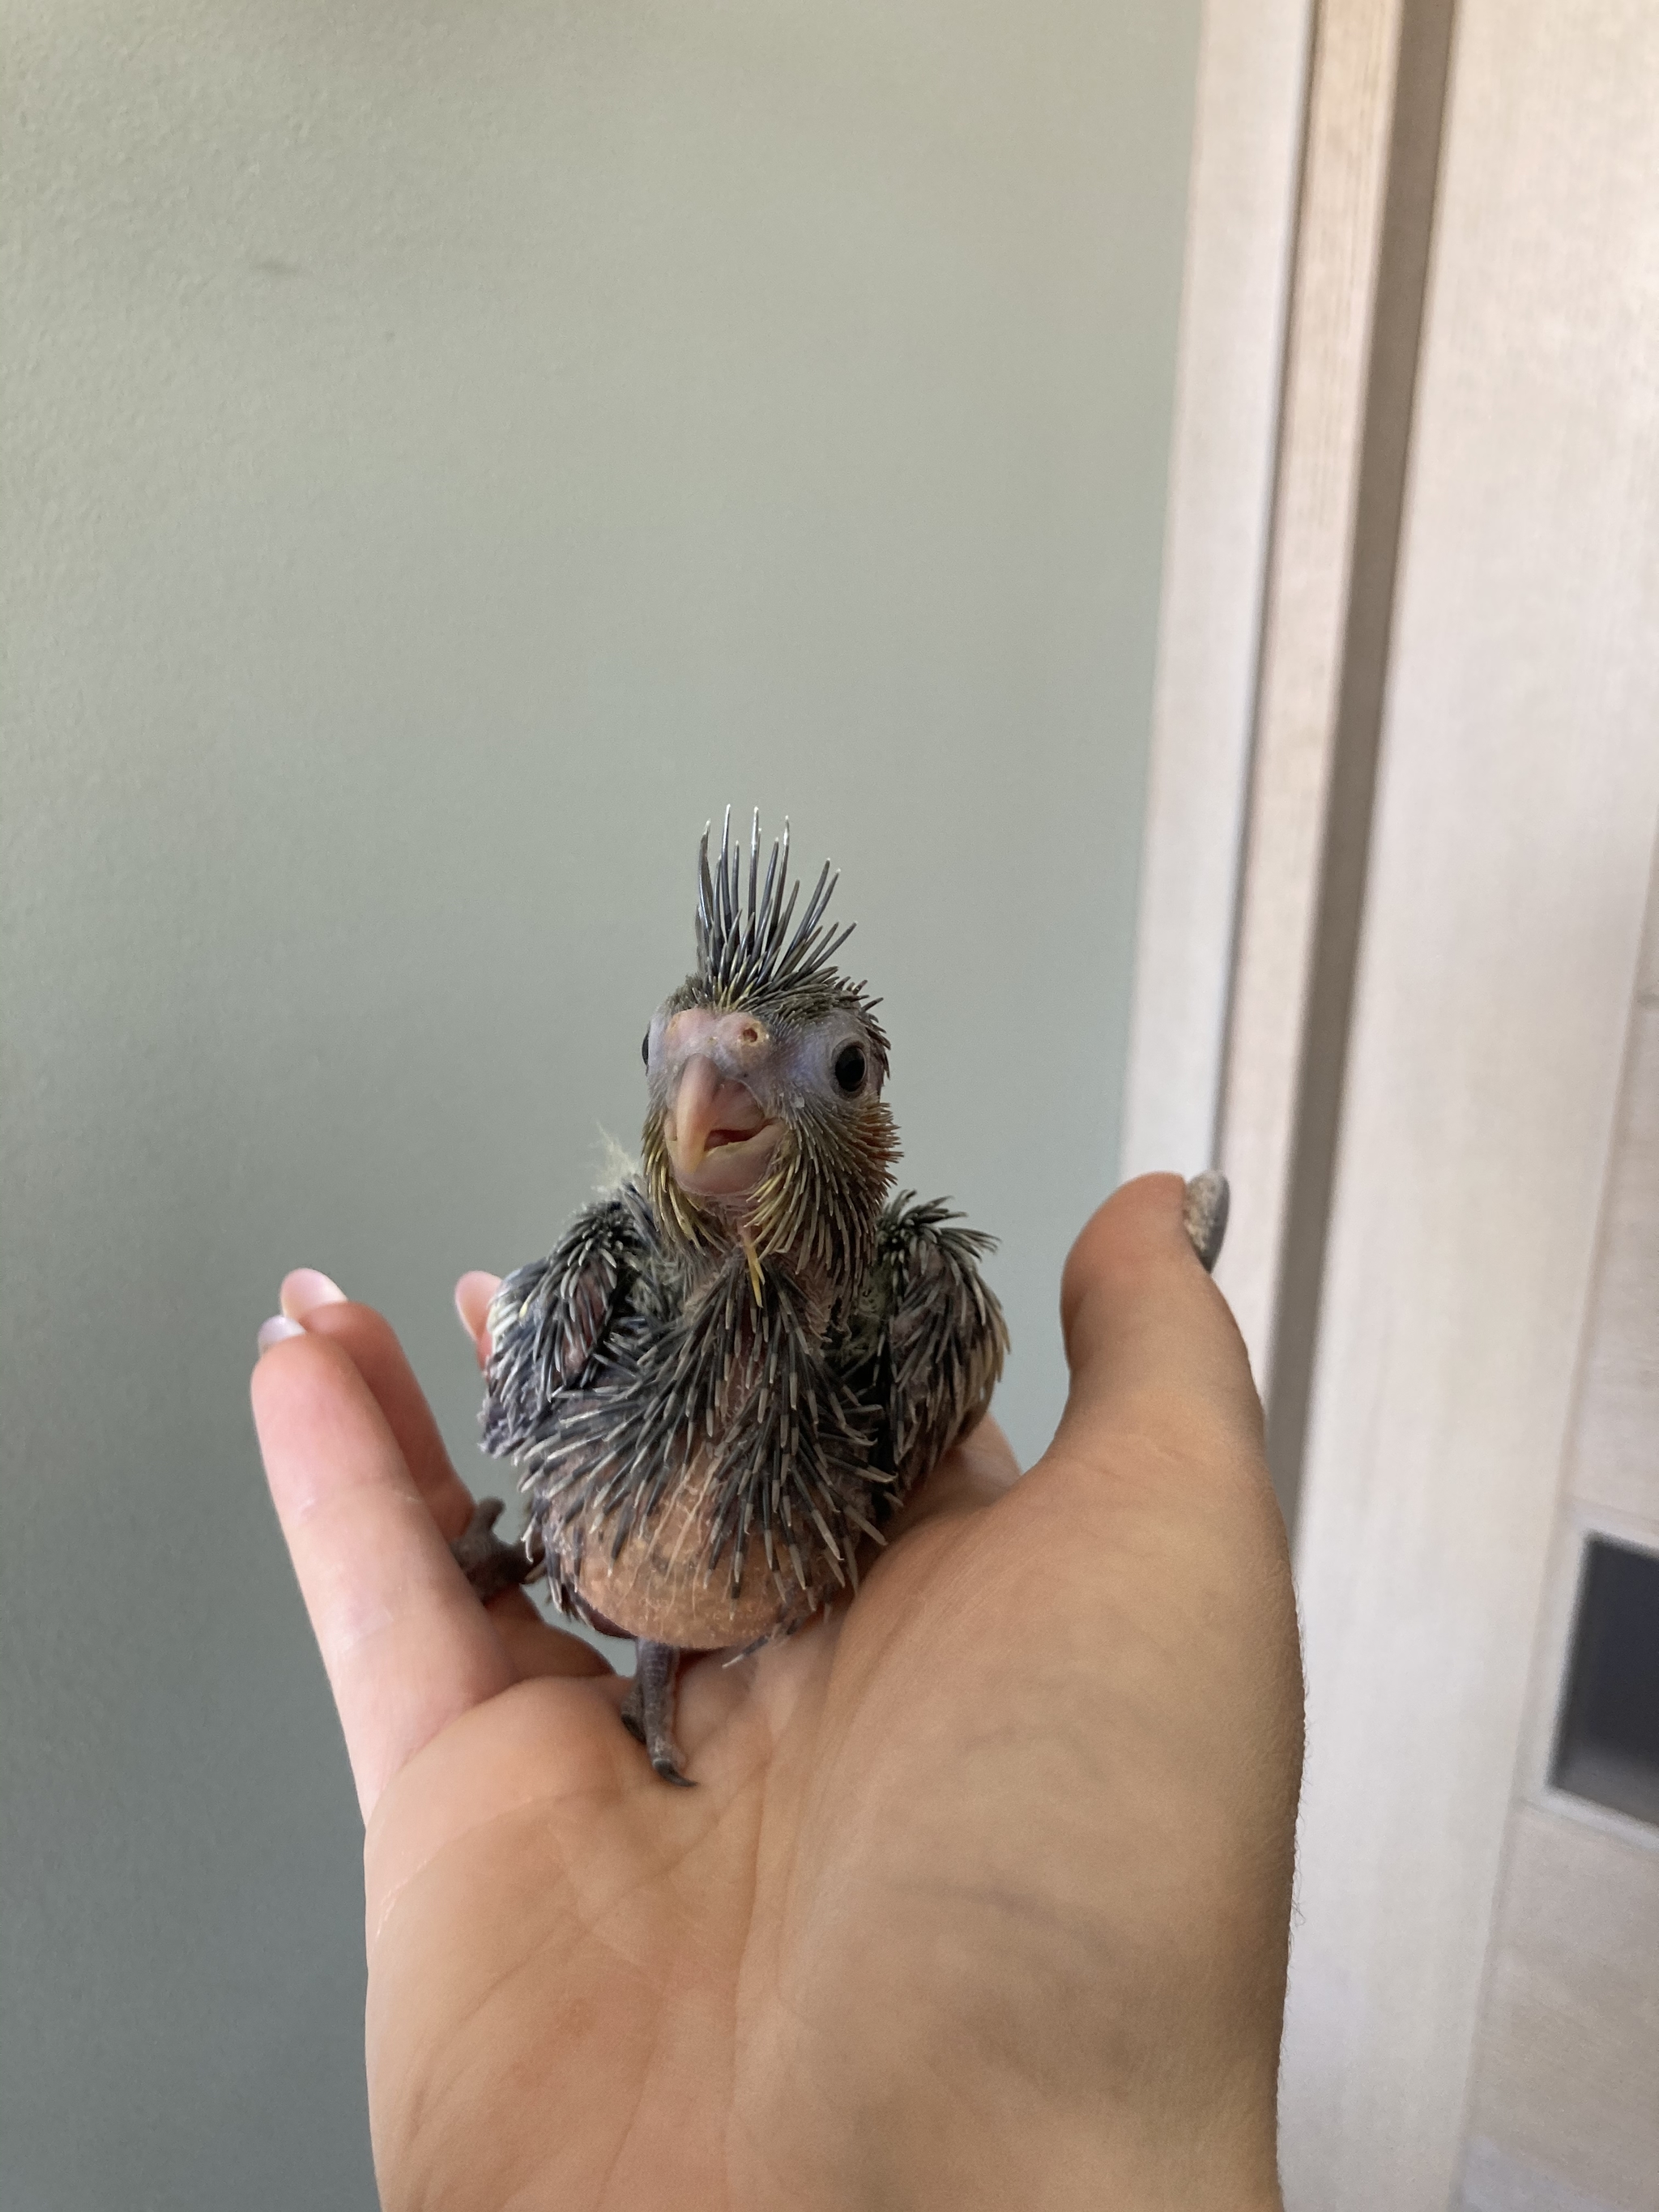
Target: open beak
[[720, 1139]]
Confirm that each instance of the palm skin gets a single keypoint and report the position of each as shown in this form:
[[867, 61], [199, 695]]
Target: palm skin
[[983, 1895]]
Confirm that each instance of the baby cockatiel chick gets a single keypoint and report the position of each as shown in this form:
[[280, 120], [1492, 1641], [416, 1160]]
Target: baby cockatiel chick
[[734, 1369]]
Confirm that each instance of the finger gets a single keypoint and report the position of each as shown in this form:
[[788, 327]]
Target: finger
[[1149, 1338], [379, 1359], [472, 1296], [407, 1646], [305, 1289], [373, 1348], [536, 1647]]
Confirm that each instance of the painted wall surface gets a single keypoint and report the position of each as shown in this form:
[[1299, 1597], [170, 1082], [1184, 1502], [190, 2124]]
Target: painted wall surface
[[448, 452]]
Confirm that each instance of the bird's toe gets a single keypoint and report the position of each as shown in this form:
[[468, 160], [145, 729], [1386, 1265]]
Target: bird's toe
[[491, 1567]]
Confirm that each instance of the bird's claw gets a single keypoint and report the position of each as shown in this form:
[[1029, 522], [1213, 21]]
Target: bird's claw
[[648, 1710], [491, 1567]]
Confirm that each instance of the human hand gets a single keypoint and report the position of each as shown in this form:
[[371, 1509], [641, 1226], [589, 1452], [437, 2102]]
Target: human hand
[[983, 1897]]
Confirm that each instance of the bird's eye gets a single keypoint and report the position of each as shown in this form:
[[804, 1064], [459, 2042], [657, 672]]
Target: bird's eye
[[849, 1068], [645, 1049]]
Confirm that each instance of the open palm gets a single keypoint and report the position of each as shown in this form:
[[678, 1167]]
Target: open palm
[[983, 1895]]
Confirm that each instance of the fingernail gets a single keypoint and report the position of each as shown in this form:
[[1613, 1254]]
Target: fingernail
[[473, 1294], [476, 1289], [308, 1288], [274, 1330]]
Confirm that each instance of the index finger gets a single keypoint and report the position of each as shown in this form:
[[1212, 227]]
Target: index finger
[[407, 1646]]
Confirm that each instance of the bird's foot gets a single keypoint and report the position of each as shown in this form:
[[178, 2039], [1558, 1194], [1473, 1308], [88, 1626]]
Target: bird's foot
[[488, 1564], [1205, 1213], [648, 1710]]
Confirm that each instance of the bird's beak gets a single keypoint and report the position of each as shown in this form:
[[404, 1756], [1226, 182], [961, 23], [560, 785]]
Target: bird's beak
[[720, 1138]]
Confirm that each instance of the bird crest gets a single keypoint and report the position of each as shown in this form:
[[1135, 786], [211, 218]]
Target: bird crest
[[747, 952]]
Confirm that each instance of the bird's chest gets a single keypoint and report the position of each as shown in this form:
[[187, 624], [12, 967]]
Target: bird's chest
[[693, 1565], [662, 1585]]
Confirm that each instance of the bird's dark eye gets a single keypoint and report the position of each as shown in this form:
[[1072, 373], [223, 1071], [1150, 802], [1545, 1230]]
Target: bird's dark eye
[[645, 1049], [849, 1068]]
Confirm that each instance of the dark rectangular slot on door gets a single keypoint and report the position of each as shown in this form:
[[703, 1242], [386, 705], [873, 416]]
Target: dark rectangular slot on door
[[1606, 1742]]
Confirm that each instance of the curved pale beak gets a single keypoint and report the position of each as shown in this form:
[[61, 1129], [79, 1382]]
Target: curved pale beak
[[720, 1138]]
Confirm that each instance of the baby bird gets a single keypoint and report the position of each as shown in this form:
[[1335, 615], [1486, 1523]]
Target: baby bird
[[734, 1369]]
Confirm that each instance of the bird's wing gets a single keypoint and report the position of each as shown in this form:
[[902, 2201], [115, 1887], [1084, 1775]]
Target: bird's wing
[[939, 1337], [548, 1320]]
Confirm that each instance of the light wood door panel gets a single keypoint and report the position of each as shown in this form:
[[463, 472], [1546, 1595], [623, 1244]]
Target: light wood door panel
[[1514, 830]]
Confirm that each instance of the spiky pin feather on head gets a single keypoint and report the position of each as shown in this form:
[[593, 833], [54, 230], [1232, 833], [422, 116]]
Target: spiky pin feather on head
[[746, 953]]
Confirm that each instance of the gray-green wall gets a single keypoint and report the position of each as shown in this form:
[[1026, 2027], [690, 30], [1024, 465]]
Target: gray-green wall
[[448, 452]]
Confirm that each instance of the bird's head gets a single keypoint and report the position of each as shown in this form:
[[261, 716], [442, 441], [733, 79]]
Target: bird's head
[[766, 1123]]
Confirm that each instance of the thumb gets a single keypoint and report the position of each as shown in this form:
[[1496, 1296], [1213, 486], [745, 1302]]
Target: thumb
[[1152, 1343]]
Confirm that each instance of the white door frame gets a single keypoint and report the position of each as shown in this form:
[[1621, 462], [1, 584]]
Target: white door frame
[[1316, 147]]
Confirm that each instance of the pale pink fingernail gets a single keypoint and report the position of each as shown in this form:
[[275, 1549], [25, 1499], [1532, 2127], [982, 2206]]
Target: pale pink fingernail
[[473, 1295], [308, 1288], [274, 1331]]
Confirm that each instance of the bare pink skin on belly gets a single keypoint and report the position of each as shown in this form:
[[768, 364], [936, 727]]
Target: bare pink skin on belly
[[660, 1587]]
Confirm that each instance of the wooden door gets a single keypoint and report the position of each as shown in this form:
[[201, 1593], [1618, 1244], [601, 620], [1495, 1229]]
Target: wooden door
[[1430, 783]]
